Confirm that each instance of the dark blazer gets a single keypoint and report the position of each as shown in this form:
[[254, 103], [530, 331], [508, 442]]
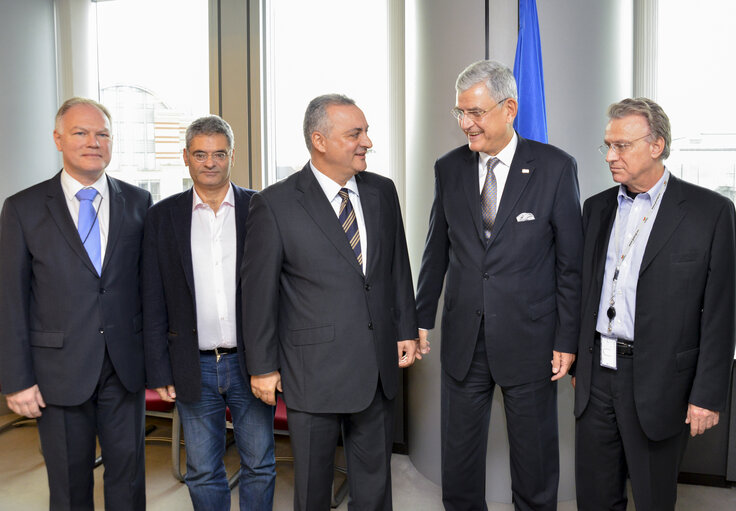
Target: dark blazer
[[169, 307], [525, 283], [308, 309], [57, 316], [685, 301]]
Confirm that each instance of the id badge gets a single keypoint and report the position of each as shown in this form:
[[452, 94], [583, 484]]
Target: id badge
[[608, 352]]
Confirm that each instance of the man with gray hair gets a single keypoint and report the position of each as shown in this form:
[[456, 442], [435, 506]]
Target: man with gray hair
[[505, 238], [328, 307], [192, 329], [657, 333]]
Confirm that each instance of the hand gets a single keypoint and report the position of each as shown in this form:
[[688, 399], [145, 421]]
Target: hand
[[407, 352], [700, 419], [572, 381], [167, 393], [27, 402], [264, 386], [422, 343], [561, 363]]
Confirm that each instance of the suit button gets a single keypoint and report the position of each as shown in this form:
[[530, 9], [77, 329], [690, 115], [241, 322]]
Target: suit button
[[478, 312], [194, 330], [486, 276], [367, 287], [590, 350], [102, 331], [595, 315], [102, 290], [370, 325]]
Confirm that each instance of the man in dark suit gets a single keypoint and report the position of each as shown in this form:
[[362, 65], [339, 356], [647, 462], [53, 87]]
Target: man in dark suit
[[71, 347], [192, 251], [505, 237], [329, 307], [657, 332]]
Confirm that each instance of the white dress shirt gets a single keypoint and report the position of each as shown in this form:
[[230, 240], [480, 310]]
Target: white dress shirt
[[505, 156], [332, 192], [214, 246], [101, 203]]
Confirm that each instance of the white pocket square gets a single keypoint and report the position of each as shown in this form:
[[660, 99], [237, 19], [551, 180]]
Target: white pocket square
[[525, 217]]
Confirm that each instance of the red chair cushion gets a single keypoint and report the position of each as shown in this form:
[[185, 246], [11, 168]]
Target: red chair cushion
[[154, 403]]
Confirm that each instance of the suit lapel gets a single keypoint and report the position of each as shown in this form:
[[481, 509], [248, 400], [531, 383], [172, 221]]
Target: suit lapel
[[603, 218], [670, 213], [469, 177], [515, 184], [56, 204], [317, 206], [117, 217], [241, 214], [181, 222], [371, 206]]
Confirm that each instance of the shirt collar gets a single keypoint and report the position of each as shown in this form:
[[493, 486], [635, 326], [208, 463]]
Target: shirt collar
[[229, 199], [649, 194], [505, 155], [330, 187], [71, 186]]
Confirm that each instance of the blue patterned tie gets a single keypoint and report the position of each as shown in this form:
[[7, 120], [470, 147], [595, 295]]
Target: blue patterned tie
[[89, 227], [488, 197], [349, 224]]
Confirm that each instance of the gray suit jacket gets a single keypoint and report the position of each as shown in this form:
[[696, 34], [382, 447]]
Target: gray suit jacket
[[57, 316], [309, 310]]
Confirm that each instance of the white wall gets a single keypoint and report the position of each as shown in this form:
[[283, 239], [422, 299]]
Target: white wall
[[28, 101]]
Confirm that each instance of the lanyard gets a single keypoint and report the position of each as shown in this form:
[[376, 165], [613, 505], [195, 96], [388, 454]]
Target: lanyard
[[611, 312]]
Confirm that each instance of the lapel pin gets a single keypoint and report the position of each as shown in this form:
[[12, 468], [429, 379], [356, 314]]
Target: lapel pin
[[524, 171]]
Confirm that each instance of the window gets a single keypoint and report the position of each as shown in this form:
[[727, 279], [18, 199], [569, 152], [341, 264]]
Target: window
[[320, 47], [695, 83], [153, 62]]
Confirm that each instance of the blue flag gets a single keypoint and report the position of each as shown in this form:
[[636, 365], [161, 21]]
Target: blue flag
[[531, 121]]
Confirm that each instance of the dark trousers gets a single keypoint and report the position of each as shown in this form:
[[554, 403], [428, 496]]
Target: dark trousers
[[609, 444], [68, 440], [531, 422], [368, 438]]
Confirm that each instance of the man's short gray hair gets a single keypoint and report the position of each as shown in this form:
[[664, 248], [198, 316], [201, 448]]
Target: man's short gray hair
[[72, 102], [497, 78], [659, 123], [315, 118], [210, 125]]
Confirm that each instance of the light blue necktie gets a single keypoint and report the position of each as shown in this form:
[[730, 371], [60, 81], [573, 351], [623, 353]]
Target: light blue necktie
[[89, 227]]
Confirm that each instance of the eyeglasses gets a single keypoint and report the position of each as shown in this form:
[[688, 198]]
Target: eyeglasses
[[619, 147], [217, 157], [473, 115]]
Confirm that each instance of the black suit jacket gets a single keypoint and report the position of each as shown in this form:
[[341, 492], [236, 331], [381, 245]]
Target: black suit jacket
[[169, 307], [685, 301], [308, 309], [525, 282], [57, 316]]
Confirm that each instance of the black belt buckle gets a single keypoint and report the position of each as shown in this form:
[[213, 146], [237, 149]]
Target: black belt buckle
[[624, 348]]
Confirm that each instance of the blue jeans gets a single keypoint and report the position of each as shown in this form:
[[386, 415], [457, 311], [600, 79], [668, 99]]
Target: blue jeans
[[223, 385]]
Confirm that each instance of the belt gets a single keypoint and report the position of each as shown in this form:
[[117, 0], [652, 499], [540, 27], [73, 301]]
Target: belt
[[218, 352], [624, 347]]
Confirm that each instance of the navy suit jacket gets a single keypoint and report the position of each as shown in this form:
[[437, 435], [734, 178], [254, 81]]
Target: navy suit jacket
[[685, 301], [57, 316], [524, 283], [169, 307], [308, 309]]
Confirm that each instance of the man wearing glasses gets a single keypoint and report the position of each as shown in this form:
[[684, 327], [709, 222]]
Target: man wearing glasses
[[192, 252], [505, 237], [657, 332]]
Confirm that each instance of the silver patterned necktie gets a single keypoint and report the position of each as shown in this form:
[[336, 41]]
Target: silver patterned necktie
[[488, 198]]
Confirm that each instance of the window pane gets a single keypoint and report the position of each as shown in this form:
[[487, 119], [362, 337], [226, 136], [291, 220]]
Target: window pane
[[154, 78], [695, 89], [321, 47]]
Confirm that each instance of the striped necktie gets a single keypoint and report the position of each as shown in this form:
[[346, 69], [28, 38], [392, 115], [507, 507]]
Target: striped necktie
[[488, 197], [349, 224]]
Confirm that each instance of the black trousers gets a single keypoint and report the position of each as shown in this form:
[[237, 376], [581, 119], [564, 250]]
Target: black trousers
[[368, 439], [610, 444], [68, 440], [531, 423]]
